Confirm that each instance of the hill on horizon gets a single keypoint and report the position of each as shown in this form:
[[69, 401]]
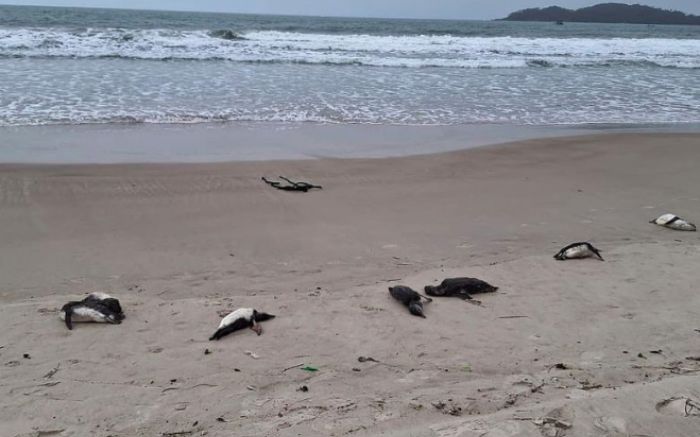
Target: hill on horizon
[[606, 13]]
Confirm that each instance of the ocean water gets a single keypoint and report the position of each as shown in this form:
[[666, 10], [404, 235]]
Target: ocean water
[[89, 66]]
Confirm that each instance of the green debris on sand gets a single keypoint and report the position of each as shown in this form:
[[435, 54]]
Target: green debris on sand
[[309, 369]]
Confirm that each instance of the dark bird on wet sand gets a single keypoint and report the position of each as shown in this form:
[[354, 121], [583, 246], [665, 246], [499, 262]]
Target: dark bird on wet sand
[[410, 298], [578, 251], [240, 319], [460, 287], [96, 307]]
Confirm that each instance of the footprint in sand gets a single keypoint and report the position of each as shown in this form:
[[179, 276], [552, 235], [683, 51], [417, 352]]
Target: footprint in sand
[[592, 357], [611, 425], [557, 422]]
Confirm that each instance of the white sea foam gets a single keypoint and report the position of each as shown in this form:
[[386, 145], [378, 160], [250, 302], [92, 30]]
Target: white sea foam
[[50, 76], [368, 50]]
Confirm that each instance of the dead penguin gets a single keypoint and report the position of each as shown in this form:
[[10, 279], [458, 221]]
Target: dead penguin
[[674, 222], [460, 287], [105, 299], [578, 250], [239, 319], [410, 298], [96, 307]]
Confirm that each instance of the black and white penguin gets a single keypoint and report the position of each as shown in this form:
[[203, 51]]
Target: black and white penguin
[[96, 307], [239, 319], [410, 298], [577, 251], [108, 301], [460, 287], [674, 222]]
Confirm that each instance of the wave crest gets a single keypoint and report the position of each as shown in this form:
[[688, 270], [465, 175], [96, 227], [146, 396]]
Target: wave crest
[[415, 51]]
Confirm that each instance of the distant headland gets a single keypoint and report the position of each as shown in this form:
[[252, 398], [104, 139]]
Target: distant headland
[[606, 13]]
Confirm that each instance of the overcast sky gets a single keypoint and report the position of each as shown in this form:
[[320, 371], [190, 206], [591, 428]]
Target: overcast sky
[[468, 9]]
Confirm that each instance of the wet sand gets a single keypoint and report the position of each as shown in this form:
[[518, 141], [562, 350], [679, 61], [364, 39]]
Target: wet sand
[[181, 243], [226, 142]]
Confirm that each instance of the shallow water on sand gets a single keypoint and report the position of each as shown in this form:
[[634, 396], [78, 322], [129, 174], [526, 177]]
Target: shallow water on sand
[[217, 142]]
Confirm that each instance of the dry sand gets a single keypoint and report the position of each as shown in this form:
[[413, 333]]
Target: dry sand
[[179, 244]]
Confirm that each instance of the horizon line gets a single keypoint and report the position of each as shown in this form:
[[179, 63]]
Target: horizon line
[[248, 13]]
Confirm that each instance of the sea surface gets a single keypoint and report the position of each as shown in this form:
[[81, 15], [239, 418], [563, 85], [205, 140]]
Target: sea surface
[[99, 66]]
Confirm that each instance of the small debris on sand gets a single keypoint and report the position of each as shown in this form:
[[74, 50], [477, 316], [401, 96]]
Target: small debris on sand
[[366, 359], [52, 372], [447, 407], [679, 405], [291, 185], [310, 369], [292, 367]]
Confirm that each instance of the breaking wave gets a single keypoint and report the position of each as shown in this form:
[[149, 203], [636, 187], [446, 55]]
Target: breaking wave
[[407, 51]]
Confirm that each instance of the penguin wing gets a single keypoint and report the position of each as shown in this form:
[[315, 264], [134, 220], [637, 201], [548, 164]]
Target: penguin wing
[[67, 316], [67, 313], [596, 251]]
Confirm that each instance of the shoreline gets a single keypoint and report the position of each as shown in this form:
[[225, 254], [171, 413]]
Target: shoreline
[[180, 243], [245, 142]]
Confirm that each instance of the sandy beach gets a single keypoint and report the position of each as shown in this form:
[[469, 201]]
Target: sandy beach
[[576, 348]]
